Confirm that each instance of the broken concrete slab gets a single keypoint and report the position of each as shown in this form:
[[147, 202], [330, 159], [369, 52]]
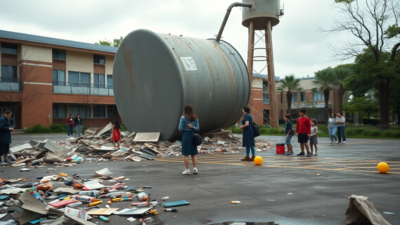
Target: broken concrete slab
[[56, 148], [20, 147], [103, 130], [147, 137]]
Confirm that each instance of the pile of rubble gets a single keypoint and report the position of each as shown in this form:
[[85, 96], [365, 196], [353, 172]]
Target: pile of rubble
[[68, 200], [96, 146]]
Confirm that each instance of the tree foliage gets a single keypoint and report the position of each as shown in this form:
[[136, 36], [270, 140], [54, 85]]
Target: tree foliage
[[364, 106], [289, 84], [325, 81], [115, 43]]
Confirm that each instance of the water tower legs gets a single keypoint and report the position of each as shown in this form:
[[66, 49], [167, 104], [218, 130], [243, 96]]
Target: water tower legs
[[271, 76], [268, 58]]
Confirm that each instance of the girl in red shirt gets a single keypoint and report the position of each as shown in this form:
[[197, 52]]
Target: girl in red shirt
[[116, 133]]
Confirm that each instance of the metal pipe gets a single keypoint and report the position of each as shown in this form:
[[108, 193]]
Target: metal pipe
[[228, 11]]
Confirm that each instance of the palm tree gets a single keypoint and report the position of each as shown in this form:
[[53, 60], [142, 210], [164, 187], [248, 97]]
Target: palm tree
[[325, 80], [340, 76], [290, 83]]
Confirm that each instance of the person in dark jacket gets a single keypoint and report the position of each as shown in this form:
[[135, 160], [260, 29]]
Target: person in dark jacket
[[70, 122], [248, 135], [5, 136], [78, 125]]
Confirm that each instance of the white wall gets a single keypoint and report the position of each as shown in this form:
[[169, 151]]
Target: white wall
[[79, 62], [34, 53]]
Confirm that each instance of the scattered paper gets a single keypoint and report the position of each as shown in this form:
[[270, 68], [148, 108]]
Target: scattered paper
[[132, 212], [102, 211], [290, 193], [147, 137], [317, 174], [3, 215], [104, 172], [82, 214], [131, 219], [389, 213], [93, 185], [20, 147]]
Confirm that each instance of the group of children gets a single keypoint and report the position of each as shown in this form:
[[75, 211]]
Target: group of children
[[306, 129]]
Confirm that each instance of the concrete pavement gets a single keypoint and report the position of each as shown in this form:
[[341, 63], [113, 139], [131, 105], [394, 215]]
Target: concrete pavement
[[344, 170]]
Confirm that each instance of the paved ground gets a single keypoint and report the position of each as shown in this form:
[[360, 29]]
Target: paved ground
[[344, 170]]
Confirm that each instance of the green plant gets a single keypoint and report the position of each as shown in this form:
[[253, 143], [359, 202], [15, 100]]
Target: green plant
[[58, 128], [123, 128], [392, 133], [367, 132], [37, 128]]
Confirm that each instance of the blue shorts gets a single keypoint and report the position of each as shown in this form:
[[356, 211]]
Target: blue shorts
[[288, 140]]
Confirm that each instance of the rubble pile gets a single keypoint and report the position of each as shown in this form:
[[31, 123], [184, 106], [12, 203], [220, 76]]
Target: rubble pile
[[96, 146], [63, 199]]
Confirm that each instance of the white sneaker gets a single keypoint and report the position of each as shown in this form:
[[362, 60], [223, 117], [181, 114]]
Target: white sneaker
[[195, 171], [337, 142], [186, 172], [330, 142], [344, 142]]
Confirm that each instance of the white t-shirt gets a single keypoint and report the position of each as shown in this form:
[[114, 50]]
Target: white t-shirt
[[342, 119]]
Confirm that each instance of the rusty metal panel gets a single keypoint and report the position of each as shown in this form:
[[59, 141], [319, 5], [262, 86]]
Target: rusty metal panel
[[155, 75]]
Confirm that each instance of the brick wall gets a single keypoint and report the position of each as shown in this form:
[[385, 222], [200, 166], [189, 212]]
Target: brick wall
[[9, 59], [91, 122], [59, 64], [99, 68]]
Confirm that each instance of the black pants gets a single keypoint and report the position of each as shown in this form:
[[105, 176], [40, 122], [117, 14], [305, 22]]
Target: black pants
[[4, 149]]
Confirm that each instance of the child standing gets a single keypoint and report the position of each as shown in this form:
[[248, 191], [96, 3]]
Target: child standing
[[289, 134], [313, 137], [116, 133], [303, 128]]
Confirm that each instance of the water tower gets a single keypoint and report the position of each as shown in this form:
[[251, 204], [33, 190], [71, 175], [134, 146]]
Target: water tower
[[260, 15]]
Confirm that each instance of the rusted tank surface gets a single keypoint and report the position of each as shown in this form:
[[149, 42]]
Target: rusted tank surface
[[260, 12], [155, 75]]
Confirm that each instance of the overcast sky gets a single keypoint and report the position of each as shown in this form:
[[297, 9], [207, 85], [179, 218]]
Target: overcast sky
[[299, 48]]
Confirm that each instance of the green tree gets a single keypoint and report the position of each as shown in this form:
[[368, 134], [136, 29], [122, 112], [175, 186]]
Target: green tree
[[341, 72], [115, 43], [375, 27], [289, 84], [362, 106], [325, 80]]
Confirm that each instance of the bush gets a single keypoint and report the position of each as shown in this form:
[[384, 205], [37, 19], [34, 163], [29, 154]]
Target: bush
[[59, 128], [123, 128], [350, 132], [392, 133], [37, 128], [367, 132]]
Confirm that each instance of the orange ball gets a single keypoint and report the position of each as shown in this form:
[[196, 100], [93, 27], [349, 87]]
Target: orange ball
[[258, 160], [383, 167]]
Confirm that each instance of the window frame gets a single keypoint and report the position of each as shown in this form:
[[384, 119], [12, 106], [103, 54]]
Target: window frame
[[301, 95], [80, 84], [98, 84], [294, 94], [96, 114], [14, 70], [112, 83], [58, 54], [57, 82], [58, 110], [99, 57], [9, 44]]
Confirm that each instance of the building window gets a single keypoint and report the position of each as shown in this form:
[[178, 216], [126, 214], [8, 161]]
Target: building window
[[112, 111], [99, 80], [109, 81], [8, 48], [58, 54], [82, 110], [59, 77], [317, 96], [294, 97], [79, 79], [59, 111], [8, 74], [99, 59], [266, 98], [281, 96], [302, 96], [99, 111]]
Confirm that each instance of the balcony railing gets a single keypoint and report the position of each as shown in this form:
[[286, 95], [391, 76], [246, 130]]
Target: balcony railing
[[73, 88], [10, 84]]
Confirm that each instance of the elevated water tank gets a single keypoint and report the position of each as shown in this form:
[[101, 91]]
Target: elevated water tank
[[260, 12], [155, 75]]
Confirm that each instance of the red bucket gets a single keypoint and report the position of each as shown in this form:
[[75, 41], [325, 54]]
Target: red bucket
[[280, 148]]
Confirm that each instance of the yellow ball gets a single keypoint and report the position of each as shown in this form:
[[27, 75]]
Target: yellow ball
[[383, 167], [258, 160]]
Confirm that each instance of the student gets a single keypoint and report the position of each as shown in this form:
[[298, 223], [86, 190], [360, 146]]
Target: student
[[303, 129], [78, 125], [248, 135], [116, 133], [70, 122], [5, 136], [187, 124], [313, 137], [332, 128], [340, 122], [289, 134]]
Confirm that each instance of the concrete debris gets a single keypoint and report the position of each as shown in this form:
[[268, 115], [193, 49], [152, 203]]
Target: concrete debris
[[96, 146]]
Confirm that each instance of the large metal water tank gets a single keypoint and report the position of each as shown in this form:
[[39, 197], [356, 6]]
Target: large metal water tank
[[260, 12], [155, 75]]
